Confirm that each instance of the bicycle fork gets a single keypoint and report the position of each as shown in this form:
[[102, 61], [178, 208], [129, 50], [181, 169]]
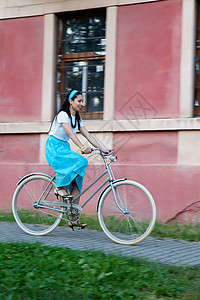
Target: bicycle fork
[[115, 191], [118, 200]]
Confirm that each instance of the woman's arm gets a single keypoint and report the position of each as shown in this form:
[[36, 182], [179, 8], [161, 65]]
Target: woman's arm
[[67, 128], [92, 140]]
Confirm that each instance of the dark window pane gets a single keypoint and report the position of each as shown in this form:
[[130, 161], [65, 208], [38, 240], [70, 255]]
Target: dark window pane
[[87, 76], [95, 101], [75, 73], [96, 75], [84, 35]]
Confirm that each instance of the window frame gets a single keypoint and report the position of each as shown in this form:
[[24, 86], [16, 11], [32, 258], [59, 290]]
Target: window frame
[[75, 57]]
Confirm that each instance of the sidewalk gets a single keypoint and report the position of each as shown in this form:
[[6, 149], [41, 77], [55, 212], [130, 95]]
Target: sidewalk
[[166, 251]]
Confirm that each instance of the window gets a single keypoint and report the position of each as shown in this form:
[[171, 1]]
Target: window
[[81, 59]]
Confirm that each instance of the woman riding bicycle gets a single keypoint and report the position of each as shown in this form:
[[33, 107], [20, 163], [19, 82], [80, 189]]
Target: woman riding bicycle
[[68, 165]]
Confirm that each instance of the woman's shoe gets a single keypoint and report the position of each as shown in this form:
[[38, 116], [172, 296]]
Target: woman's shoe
[[62, 193], [77, 224]]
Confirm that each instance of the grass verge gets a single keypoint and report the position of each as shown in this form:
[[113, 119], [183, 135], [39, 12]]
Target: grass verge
[[34, 271]]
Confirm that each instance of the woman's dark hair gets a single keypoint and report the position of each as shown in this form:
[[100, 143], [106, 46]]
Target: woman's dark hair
[[65, 107]]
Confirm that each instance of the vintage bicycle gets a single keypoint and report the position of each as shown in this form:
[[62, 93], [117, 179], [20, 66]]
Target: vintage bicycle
[[126, 209]]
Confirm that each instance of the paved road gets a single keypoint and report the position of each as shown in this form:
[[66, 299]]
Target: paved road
[[166, 251]]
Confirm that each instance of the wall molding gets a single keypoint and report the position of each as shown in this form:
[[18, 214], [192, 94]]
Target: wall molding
[[26, 8], [187, 75], [108, 126], [110, 62], [49, 67]]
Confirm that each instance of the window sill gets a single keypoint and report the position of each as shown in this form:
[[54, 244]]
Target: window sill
[[39, 127]]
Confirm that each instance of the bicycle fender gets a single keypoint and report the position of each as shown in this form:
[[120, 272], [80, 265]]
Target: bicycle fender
[[99, 199], [31, 174]]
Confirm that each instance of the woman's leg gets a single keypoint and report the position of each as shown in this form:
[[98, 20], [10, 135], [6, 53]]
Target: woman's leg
[[75, 192]]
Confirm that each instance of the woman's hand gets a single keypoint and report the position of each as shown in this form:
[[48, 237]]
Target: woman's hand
[[86, 150], [105, 151]]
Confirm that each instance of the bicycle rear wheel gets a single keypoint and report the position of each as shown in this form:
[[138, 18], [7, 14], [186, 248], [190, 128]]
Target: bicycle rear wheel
[[129, 217], [36, 189]]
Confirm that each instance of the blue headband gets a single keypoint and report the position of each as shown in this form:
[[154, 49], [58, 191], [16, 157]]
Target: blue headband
[[71, 95]]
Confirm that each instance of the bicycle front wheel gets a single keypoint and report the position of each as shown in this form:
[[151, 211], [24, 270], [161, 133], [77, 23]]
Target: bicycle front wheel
[[127, 213], [29, 196]]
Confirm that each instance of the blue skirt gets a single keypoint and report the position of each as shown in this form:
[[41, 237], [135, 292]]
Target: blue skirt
[[67, 164]]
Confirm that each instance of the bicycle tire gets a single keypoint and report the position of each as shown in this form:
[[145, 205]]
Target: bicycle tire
[[133, 219], [35, 221]]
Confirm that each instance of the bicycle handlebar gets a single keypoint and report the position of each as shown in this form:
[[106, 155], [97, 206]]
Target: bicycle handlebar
[[100, 151]]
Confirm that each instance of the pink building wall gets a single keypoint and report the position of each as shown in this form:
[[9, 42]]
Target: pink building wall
[[148, 59], [21, 55]]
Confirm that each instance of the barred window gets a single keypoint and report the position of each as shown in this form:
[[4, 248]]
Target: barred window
[[81, 59]]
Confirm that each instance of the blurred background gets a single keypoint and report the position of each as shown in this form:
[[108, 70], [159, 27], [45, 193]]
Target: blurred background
[[137, 65]]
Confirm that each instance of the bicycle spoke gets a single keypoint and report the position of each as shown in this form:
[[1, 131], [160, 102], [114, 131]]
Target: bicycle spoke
[[114, 209], [129, 226], [30, 193], [137, 224]]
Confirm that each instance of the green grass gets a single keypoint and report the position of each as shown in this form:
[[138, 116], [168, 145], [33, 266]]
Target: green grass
[[34, 271], [176, 231], [6, 216]]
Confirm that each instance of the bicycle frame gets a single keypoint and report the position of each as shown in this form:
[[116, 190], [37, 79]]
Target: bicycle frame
[[110, 179], [95, 192]]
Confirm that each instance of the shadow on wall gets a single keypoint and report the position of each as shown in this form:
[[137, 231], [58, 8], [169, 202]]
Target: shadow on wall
[[189, 215]]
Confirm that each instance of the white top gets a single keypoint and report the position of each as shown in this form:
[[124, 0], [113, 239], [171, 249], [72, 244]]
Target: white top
[[57, 129]]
